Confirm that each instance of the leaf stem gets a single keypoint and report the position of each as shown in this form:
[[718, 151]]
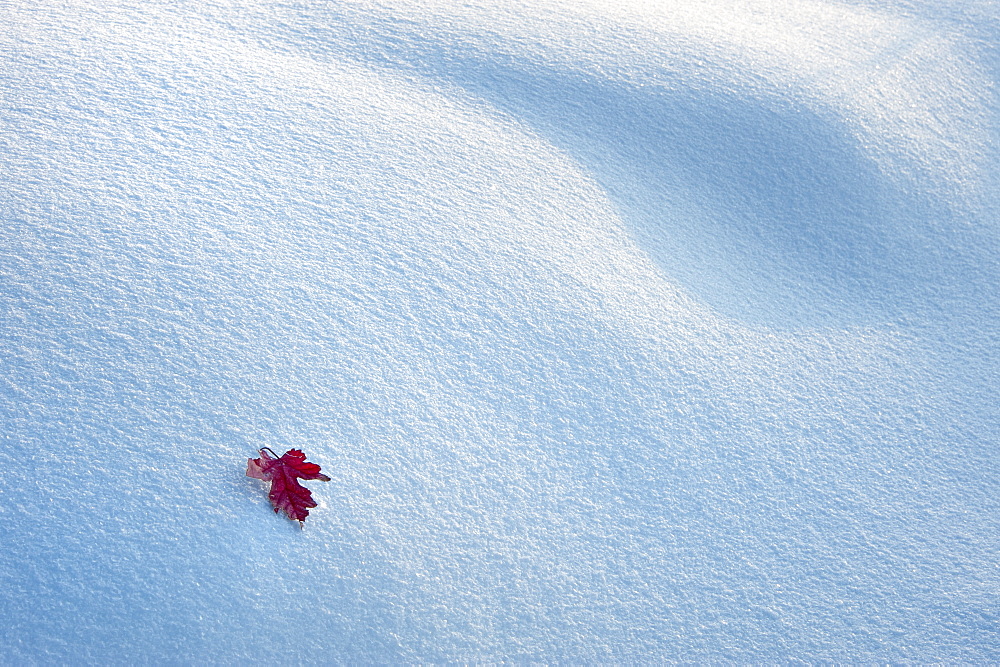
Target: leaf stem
[[270, 450]]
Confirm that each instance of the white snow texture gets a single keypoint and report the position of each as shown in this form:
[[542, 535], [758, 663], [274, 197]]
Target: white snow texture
[[627, 331]]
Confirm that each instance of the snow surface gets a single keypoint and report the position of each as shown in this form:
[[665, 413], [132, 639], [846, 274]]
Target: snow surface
[[628, 332]]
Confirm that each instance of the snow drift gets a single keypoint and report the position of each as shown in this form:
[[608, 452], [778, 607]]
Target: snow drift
[[625, 334]]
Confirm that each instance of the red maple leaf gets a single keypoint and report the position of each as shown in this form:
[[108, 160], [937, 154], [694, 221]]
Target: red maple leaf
[[284, 474]]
